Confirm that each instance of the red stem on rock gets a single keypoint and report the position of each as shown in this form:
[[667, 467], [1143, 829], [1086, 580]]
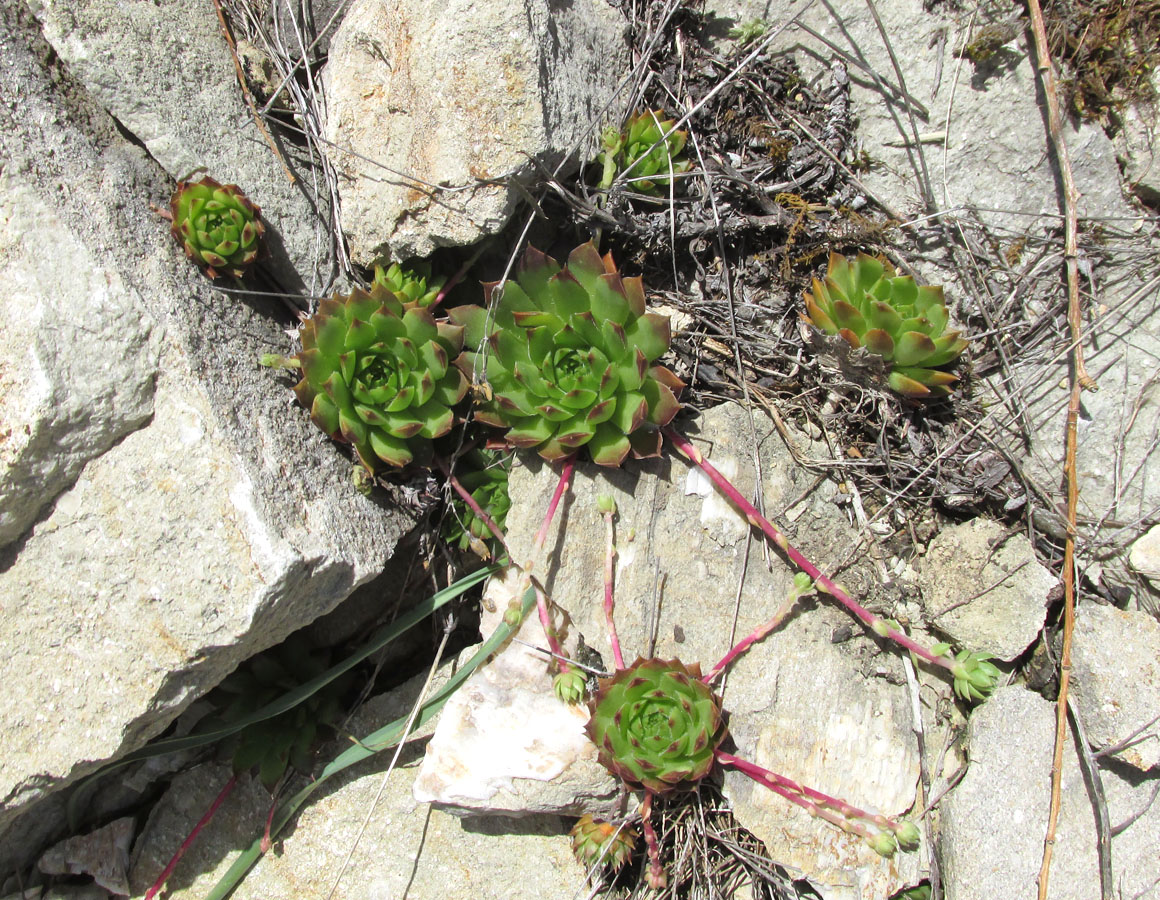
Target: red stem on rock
[[757, 520], [656, 872], [188, 842]]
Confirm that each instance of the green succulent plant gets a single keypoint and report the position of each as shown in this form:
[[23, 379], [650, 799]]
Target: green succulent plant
[[598, 843], [412, 285], [649, 166], [484, 474], [656, 725], [285, 740], [568, 356], [217, 225], [870, 306], [378, 375]]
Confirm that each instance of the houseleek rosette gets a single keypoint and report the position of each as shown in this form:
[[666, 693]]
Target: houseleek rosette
[[217, 225], [378, 375], [484, 475], [656, 725], [635, 151], [411, 285], [599, 843], [568, 355], [871, 306]]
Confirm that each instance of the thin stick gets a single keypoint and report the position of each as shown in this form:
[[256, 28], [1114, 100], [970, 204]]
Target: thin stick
[[756, 635], [188, 842], [609, 558], [246, 92], [1079, 380], [656, 872], [561, 486], [876, 624]]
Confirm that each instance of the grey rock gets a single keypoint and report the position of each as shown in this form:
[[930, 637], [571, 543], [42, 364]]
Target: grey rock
[[995, 820], [1144, 556], [1116, 680], [187, 547], [1138, 147], [78, 358], [800, 704], [982, 585], [406, 849], [102, 854], [166, 74], [427, 103]]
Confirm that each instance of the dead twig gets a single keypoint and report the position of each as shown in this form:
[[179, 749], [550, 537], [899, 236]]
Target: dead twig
[[246, 91], [1079, 380]]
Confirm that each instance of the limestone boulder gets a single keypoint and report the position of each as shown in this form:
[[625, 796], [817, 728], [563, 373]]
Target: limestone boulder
[[432, 107], [166, 75], [982, 585], [219, 522]]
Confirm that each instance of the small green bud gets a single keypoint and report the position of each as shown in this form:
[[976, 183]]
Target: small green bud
[[881, 627], [606, 503], [884, 844], [570, 686], [907, 835], [802, 583], [943, 649], [274, 361], [364, 482], [513, 615]]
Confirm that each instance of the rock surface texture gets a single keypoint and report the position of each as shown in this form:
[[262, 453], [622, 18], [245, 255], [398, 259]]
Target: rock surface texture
[[995, 820], [798, 702], [1116, 673], [185, 546], [428, 102], [403, 849], [165, 73], [982, 586]]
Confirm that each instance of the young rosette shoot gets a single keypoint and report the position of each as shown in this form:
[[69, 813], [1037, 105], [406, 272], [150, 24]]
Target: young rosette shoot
[[569, 354], [217, 225], [656, 725], [379, 375], [599, 843], [484, 475], [411, 285], [870, 305], [647, 151]]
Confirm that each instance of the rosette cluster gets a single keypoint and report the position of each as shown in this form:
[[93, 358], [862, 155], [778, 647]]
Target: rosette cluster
[[647, 150], [377, 374], [217, 225], [656, 725], [871, 306], [569, 355], [599, 843], [411, 285]]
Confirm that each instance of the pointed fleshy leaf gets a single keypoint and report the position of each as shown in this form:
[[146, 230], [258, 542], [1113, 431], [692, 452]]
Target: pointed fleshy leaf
[[473, 320], [437, 419], [608, 300], [585, 265], [530, 433], [884, 316], [846, 316], [390, 449], [535, 270], [912, 347], [650, 334], [817, 315], [878, 341]]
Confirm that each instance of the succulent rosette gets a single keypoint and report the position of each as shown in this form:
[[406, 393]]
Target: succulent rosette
[[569, 355], [871, 306], [484, 475], [411, 285], [649, 163], [595, 842], [379, 376], [656, 725], [217, 225]]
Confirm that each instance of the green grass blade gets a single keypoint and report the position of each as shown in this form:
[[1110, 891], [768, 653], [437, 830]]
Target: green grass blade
[[375, 742], [287, 701]]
